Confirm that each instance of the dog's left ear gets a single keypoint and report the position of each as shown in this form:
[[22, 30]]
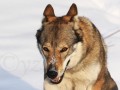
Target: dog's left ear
[[71, 13]]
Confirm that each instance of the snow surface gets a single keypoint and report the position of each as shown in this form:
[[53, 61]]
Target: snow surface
[[21, 65]]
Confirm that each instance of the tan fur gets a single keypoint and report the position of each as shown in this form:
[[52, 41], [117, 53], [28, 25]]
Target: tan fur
[[87, 67]]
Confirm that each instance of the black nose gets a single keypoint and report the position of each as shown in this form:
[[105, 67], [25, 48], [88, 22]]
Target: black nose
[[52, 74]]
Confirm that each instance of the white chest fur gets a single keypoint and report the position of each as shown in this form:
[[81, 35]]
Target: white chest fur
[[87, 77]]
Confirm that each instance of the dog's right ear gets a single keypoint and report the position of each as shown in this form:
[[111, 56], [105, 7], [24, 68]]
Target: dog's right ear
[[49, 13]]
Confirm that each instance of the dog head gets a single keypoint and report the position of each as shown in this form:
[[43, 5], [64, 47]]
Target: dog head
[[60, 42]]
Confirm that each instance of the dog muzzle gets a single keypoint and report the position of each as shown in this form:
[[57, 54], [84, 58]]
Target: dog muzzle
[[52, 74]]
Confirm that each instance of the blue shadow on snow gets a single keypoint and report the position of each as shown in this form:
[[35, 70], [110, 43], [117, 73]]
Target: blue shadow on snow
[[10, 82]]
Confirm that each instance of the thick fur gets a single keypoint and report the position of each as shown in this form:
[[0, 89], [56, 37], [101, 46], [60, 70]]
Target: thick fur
[[87, 67]]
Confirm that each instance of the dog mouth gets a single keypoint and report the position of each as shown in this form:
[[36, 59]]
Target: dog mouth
[[54, 77], [57, 80]]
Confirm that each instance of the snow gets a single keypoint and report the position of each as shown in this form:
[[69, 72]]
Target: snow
[[21, 65]]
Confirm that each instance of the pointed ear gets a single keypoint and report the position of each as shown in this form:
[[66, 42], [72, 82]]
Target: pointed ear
[[49, 13], [72, 11]]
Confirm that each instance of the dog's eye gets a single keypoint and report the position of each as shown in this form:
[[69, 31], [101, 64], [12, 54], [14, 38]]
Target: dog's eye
[[46, 49], [64, 49]]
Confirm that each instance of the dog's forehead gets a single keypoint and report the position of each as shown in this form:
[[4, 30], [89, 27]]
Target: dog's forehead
[[58, 34]]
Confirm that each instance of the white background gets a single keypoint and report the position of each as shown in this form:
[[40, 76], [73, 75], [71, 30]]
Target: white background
[[21, 65]]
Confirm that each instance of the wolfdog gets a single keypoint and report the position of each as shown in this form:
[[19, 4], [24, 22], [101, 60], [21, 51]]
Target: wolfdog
[[74, 53]]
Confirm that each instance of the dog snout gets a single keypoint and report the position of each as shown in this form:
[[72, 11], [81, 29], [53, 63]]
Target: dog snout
[[52, 74]]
